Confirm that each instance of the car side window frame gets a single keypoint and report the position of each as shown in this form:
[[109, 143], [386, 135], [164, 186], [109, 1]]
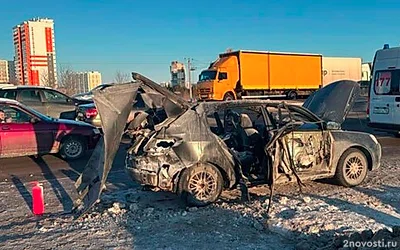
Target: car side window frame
[[44, 97], [292, 114], [20, 99], [18, 109], [5, 94]]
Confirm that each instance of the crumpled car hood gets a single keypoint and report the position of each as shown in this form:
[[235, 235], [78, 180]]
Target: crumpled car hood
[[333, 102], [114, 103]]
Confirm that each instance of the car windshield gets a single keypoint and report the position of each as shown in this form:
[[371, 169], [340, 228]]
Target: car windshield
[[207, 75]]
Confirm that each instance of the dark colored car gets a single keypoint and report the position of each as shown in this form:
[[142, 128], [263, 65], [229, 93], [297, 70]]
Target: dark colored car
[[25, 131], [201, 149], [46, 100]]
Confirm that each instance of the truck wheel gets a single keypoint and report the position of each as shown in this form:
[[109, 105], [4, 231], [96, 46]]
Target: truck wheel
[[292, 95], [200, 185], [228, 97], [352, 168]]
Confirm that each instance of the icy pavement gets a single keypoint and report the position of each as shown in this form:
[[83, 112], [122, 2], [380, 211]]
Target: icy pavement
[[131, 218]]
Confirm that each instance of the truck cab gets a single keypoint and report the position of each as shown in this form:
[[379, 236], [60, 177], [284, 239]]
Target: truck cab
[[384, 96], [219, 80]]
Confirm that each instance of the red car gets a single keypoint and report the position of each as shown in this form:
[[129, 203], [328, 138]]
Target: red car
[[25, 131]]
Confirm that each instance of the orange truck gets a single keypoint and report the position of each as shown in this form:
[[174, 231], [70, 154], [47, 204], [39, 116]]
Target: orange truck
[[260, 74]]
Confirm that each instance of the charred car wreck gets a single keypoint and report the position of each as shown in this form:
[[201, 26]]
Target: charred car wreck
[[197, 150]]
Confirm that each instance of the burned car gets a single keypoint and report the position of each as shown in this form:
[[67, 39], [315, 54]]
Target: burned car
[[200, 149]]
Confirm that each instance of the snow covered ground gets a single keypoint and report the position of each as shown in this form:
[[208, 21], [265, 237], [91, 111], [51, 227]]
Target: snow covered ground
[[324, 216], [129, 217]]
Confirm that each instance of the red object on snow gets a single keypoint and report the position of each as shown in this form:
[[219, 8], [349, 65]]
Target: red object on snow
[[37, 199]]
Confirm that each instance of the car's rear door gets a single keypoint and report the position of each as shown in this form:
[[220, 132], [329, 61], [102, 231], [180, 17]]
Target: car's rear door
[[57, 103], [31, 97]]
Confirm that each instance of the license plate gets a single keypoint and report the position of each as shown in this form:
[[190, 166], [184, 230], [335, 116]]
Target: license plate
[[204, 96], [381, 110]]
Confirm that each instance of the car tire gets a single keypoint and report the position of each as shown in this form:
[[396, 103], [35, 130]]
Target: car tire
[[200, 185], [229, 97], [72, 148], [352, 168]]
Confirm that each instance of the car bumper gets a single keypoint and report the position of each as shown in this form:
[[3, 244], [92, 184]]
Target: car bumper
[[143, 177], [92, 121], [376, 156], [150, 174], [205, 97]]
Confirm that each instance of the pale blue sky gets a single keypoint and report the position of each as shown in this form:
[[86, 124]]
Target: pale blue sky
[[145, 36]]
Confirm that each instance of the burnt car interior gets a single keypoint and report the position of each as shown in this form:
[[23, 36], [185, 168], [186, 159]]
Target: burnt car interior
[[144, 116], [248, 131]]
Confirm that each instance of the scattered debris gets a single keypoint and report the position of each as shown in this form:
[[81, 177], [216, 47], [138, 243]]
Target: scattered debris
[[133, 207]]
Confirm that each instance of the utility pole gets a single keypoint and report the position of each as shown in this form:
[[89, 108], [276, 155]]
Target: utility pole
[[190, 69]]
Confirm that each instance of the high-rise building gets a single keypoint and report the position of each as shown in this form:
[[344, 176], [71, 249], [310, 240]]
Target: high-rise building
[[4, 76], [11, 72], [86, 81], [177, 70], [35, 55]]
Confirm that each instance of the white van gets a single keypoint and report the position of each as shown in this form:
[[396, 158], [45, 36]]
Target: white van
[[384, 94]]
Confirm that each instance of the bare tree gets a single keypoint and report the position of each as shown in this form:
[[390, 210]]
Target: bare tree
[[121, 77], [45, 80], [66, 80]]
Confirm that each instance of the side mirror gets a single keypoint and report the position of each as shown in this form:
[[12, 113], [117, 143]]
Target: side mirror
[[34, 120], [332, 126]]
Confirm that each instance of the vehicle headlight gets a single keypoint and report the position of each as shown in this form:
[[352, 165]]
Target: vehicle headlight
[[96, 131], [373, 138]]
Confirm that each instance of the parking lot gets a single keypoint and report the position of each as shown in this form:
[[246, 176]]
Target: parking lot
[[129, 216]]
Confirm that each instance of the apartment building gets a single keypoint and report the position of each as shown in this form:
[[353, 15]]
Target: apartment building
[[4, 75], [35, 54], [86, 81], [177, 70]]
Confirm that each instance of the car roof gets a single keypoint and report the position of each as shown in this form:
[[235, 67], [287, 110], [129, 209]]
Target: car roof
[[250, 102], [24, 87]]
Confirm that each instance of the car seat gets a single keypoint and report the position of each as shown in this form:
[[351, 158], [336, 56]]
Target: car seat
[[249, 136]]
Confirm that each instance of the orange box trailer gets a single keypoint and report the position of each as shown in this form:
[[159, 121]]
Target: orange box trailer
[[258, 74]]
